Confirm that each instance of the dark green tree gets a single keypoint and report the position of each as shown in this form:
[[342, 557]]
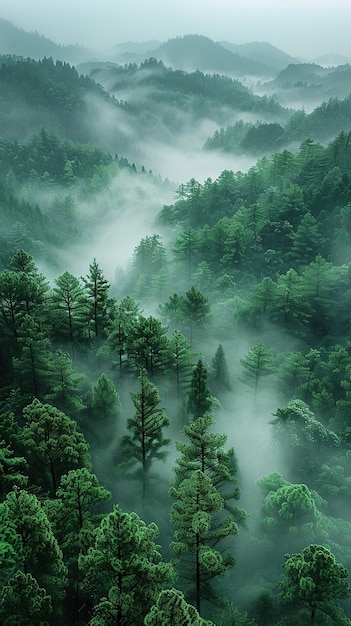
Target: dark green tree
[[200, 399], [171, 609], [125, 316], [219, 373], [69, 310], [181, 366], [147, 345], [24, 603], [144, 444]]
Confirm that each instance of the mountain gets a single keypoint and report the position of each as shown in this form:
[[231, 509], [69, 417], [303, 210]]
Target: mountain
[[261, 52], [309, 81], [193, 52], [332, 60], [16, 41]]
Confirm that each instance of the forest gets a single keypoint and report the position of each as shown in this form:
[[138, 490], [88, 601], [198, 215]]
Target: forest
[[175, 355]]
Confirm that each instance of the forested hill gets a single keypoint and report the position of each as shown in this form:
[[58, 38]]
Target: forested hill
[[175, 373], [16, 41]]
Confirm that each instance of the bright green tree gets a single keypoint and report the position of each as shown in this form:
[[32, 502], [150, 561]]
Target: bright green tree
[[198, 535], [314, 582], [123, 571], [54, 444]]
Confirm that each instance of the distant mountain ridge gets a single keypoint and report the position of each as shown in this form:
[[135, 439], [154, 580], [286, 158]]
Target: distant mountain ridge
[[193, 52], [18, 42], [262, 52]]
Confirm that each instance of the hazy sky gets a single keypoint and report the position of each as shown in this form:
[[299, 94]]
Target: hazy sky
[[305, 28]]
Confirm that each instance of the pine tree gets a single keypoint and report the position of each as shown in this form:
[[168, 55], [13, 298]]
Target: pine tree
[[123, 571], [219, 373], [205, 451], [198, 535], [200, 399], [53, 442], [146, 439], [97, 288], [171, 609], [257, 363]]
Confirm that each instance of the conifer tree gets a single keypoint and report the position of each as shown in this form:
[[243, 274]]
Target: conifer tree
[[171, 609], [24, 603], [146, 439], [97, 288], [200, 399], [257, 363], [123, 571], [314, 582], [198, 535], [219, 373], [205, 451], [53, 442]]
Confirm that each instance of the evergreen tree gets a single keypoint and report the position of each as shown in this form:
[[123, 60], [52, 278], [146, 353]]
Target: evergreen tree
[[147, 345], [205, 452], [200, 399], [257, 363], [24, 603], [125, 316], [198, 535], [34, 366], [64, 391], [314, 582], [219, 373], [37, 546], [181, 366], [97, 287], [123, 571], [69, 310], [171, 609], [106, 403], [53, 442], [146, 439]]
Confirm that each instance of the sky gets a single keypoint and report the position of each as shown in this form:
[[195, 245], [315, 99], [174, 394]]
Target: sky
[[303, 28]]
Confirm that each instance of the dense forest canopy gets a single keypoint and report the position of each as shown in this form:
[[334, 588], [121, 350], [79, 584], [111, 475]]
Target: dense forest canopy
[[174, 356]]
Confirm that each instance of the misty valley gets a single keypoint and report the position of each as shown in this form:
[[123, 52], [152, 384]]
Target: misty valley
[[175, 345]]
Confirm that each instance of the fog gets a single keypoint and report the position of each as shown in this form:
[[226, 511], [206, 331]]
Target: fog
[[304, 28]]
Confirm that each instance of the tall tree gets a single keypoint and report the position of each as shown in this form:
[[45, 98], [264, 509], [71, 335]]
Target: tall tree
[[181, 366], [146, 439], [39, 552], [200, 399], [97, 288], [205, 451], [197, 536], [148, 345], [68, 310], [219, 373]]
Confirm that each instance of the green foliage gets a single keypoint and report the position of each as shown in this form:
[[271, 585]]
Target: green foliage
[[123, 571], [171, 609], [314, 583], [146, 439], [24, 603], [54, 443]]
